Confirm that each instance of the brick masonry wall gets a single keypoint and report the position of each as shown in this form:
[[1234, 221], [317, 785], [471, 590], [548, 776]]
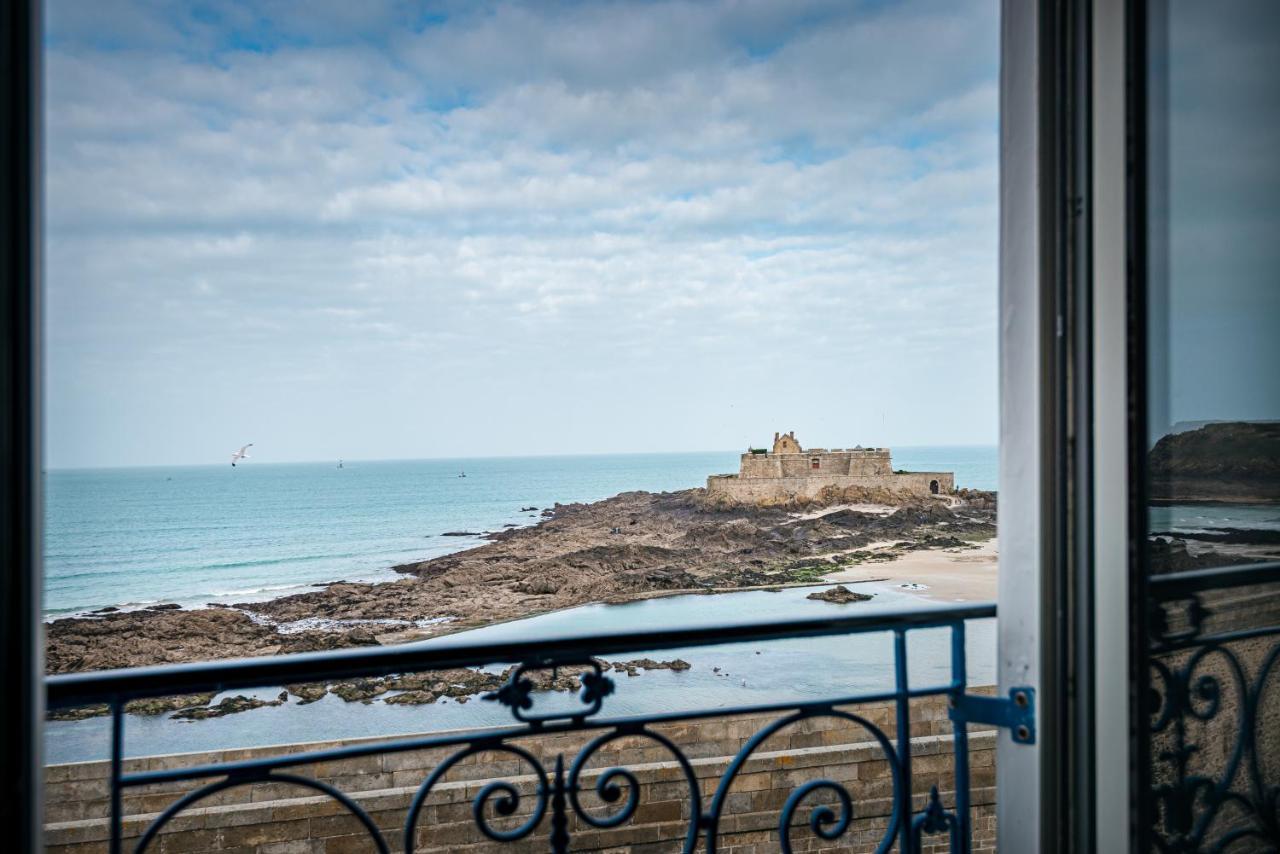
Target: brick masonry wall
[[280, 819]]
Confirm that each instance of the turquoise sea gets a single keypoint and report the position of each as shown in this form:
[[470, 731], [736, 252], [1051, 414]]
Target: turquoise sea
[[193, 535], [200, 534]]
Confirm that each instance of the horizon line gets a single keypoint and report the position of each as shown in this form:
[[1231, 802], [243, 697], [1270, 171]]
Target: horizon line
[[330, 461]]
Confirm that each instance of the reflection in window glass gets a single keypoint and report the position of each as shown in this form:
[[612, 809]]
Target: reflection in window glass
[[1214, 287]]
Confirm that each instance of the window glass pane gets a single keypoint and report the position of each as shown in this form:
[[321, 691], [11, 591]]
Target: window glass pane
[[1214, 288], [1210, 681]]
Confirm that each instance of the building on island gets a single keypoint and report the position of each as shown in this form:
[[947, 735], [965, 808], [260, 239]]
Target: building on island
[[789, 471]]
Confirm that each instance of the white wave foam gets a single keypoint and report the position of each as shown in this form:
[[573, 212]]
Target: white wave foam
[[326, 624], [254, 591]]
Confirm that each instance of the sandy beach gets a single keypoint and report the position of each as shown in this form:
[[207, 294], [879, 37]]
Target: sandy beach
[[948, 575]]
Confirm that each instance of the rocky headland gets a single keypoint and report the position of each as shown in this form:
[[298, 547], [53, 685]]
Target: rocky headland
[[634, 545], [1235, 462]]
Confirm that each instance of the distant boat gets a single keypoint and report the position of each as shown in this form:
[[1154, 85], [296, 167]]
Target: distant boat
[[339, 463], [462, 474]]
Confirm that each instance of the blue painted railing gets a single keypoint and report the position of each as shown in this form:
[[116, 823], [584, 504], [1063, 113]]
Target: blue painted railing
[[557, 791]]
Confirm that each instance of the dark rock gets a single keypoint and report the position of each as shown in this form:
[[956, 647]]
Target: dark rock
[[460, 534], [152, 706], [677, 664], [412, 698], [229, 706], [1171, 555], [79, 713], [168, 606], [307, 692], [360, 689], [839, 594]]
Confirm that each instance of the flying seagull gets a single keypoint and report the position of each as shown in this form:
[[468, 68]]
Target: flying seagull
[[242, 454]]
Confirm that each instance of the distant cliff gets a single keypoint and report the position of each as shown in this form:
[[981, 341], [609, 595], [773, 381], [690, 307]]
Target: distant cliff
[[1236, 462]]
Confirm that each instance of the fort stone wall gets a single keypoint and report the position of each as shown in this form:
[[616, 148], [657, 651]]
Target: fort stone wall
[[789, 472], [758, 489]]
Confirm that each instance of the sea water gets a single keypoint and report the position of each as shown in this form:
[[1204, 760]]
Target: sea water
[[128, 538], [720, 677]]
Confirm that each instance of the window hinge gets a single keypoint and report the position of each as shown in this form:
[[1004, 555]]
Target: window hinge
[[1016, 713]]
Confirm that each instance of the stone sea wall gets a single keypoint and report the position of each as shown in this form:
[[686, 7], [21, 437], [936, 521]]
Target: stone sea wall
[[755, 489], [278, 819]]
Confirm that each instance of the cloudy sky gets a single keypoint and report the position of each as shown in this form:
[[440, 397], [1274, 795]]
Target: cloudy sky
[[1215, 296], [356, 230]]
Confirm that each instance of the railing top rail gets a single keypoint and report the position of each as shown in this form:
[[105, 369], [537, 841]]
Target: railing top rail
[[1176, 585], [77, 689]]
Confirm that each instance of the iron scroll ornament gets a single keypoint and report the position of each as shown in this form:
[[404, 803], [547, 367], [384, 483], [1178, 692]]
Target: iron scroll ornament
[[618, 785], [231, 782], [1214, 752]]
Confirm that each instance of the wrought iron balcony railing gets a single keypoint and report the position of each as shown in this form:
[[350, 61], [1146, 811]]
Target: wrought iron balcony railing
[[1214, 730], [556, 796]]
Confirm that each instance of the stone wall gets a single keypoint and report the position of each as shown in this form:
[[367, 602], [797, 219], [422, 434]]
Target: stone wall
[[859, 462], [782, 477], [758, 489], [277, 819]]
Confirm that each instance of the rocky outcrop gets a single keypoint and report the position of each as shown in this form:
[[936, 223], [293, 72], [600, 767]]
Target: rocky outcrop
[[228, 706], [839, 594], [1170, 554], [632, 668], [631, 546], [134, 638], [1232, 462], [149, 707], [307, 693]]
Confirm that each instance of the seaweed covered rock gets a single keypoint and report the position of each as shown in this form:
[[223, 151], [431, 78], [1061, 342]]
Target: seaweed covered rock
[[839, 594]]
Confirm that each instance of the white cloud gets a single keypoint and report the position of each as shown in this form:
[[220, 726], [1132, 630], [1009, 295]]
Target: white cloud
[[709, 200]]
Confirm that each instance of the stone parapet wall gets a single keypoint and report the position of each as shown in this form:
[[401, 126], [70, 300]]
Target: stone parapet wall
[[279, 819]]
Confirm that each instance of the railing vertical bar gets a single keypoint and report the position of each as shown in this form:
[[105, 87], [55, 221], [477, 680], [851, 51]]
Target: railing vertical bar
[[117, 767], [904, 737], [961, 738]]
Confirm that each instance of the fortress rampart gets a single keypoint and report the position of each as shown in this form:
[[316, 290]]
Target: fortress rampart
[[789, 471]]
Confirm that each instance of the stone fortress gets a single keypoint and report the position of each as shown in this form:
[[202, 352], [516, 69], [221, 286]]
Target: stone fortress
[[789, 471]]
